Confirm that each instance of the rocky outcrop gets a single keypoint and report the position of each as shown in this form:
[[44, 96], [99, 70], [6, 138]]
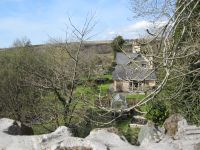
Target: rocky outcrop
[[182, 137], [150, 133], [176, 134], [174, 124], [61, 139]]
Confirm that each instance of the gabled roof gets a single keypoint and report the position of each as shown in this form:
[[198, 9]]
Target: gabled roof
[[129, 73], [124, 59], [126, 69]]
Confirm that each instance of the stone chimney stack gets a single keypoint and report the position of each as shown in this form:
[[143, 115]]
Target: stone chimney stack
[[135, 47]]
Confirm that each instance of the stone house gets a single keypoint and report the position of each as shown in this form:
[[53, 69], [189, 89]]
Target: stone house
[[133, 72]]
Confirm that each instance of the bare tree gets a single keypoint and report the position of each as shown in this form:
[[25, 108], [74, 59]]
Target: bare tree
[[60, 71], [23, 42]]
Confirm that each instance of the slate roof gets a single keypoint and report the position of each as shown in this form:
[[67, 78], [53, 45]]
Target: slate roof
[[129, 73], [124, 71], [124, 59]]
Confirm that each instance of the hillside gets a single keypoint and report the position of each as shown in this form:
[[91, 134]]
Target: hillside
[[100, 47]]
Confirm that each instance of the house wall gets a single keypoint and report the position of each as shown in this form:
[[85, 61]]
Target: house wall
[[125, 86], [150, 83], [114, 85], [121, 86]]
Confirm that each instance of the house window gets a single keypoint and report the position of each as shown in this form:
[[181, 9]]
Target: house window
[[144, 65], [133, 85]]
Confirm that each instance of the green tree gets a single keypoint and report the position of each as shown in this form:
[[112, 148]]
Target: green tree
[[177, 55], [117, 45], [158, 112], [17, 99], [187, 103]]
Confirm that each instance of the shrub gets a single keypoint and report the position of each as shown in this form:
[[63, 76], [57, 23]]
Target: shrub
[[157, 113]]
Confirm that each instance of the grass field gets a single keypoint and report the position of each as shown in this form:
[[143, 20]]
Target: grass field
[[135, 96], [103, 88]]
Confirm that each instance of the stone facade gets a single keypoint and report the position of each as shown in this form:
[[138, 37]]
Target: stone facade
[[133, 72], [129, 86]]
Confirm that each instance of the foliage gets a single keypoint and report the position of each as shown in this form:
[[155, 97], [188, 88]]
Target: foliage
[[176, 54], [187, 103], [108, 76], [157, 113], [131, 134], [117, 44], [18, 100]]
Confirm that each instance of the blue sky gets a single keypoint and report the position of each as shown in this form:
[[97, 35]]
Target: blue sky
[[39, 19]]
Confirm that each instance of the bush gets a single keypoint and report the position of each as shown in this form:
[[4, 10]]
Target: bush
[[157, 113], [132, 135]]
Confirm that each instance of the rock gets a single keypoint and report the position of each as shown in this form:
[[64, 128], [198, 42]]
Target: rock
[[149, 133], [110, 140], [14, 129], [174, 125], [61, 139], [75, 148], [18, 128], [186, 138]]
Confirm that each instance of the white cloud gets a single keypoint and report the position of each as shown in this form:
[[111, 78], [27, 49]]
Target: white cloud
[[135, 30], [112, 32], [143, 25], [160, 24], [137, 26]]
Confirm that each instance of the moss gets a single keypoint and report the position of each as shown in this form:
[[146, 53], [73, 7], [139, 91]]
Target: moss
[[131, 134], [43, 129]]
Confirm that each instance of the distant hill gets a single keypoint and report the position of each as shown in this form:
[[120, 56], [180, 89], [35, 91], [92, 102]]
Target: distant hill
[[100, 47]]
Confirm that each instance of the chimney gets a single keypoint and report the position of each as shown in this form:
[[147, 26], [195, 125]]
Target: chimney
[[135, 47]]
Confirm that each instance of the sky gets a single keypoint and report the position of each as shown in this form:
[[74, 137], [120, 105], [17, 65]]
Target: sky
[[39, 20]]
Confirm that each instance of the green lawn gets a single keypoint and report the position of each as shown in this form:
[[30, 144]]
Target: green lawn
[[84, 90], [103, 88], [109, 76], [133, 99], [135, 96]]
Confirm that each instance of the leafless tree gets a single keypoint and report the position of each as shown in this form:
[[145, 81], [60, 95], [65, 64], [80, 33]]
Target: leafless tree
[[24, 41], [60, 71]]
